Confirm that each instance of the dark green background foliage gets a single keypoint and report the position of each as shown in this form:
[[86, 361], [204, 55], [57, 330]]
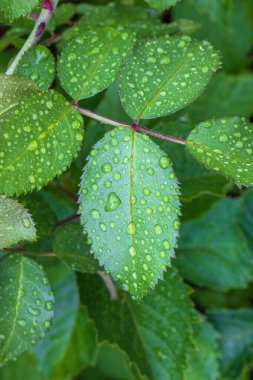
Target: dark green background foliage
[[125, 256]]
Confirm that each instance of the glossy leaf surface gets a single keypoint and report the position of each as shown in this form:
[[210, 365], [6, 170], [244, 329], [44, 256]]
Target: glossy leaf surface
[[27, 305], [16, 223], [13, 90], [142, 330], [164, 75], [90, 62], [226, 146], [130, 208], [37, 64], [46, 137]]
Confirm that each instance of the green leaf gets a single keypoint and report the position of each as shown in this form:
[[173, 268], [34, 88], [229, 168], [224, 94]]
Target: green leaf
[[72, 248], [195, 179], [81, 350], [224, 145], [226, 24], [164, 75], [90, 62], [16, 223], [161, 5], [111, 363], [156, 346], [50, 351], [236, 330], [130, 207], [13, 90], [25, 367], [62, 15], [143, 22], [26, 303], [13, 9], [226, 95], [202, 358], [39, 65], [47, 136], [212, 246], [43, 216]]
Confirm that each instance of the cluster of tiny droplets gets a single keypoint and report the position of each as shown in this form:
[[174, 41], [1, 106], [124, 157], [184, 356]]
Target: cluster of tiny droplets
[[39, 139], [12, 90], [164, 75], [33, 313], [89, 63], [37, 64], [144, 24], [130, 207], [225, 145], [15, 223]]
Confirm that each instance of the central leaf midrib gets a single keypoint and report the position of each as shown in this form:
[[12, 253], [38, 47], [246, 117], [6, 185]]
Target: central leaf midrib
[[132, 157], [213, 151], [157, 93]]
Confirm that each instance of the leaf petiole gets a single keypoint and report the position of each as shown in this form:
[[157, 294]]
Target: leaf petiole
[[136, 127]]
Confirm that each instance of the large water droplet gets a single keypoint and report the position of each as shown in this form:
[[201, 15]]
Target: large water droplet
[[164, 162], [113, 202], [131, 228], [107, 168], [26, 222], [95, 214]]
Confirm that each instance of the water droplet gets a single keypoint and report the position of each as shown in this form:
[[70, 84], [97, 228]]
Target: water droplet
[[79, 137], [165, 61], [176, 224], [223, 138], [158, 229], [131, 228], [32, 146], [132, 251], [103, 227], [95, 214], [107, 168], [49, 104], [146, 191], [32, 179], [22, 322], [49, 305], [239, 144], [166, 244], [113, 202], [72, 57], [33, 310], [164, 162], [26, 222]]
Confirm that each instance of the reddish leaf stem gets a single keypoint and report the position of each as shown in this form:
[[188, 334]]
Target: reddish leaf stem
[[38, 30], [136, 127]]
